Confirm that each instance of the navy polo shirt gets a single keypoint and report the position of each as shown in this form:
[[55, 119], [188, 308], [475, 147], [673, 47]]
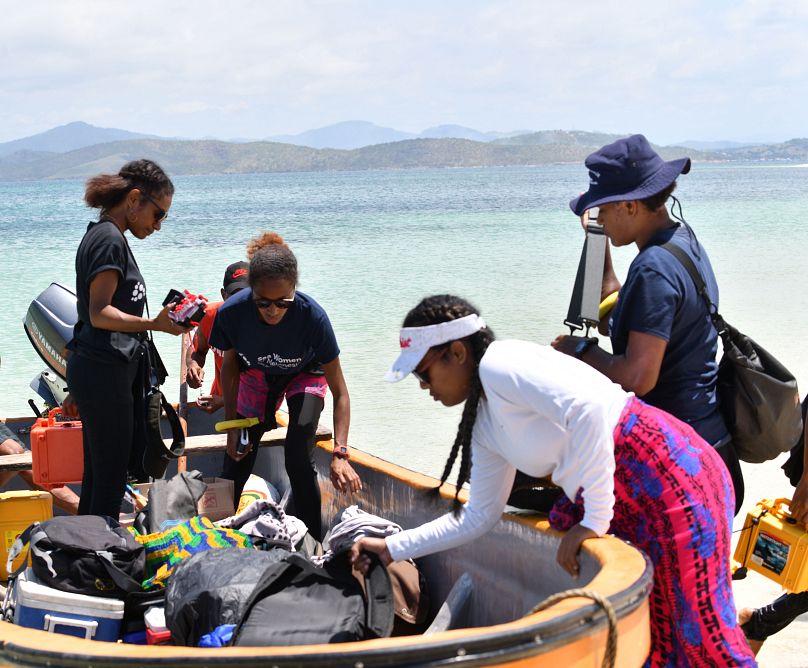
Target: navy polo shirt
[[659, 298], [302, 339]]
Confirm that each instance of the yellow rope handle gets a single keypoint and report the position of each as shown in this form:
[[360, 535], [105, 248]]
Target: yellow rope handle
[[241, 423], [607, 305], [610, 654]]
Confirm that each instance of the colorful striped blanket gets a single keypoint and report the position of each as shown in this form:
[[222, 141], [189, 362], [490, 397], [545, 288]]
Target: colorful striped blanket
[[165, 549]]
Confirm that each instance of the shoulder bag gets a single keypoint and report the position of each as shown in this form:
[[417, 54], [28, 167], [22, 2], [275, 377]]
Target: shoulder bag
[[157, 454], [758, 395]]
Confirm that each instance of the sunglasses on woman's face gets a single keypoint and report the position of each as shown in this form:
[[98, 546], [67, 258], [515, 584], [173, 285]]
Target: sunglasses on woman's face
[[422, 376], [160, 214], [284, 303]]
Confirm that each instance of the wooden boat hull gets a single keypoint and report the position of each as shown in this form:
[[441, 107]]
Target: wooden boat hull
[[513, 568]]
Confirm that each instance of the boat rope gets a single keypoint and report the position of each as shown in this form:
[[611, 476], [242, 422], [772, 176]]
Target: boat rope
[[611, 617]]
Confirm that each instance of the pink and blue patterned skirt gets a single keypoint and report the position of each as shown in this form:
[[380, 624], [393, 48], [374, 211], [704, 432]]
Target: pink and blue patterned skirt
[[674, 500]]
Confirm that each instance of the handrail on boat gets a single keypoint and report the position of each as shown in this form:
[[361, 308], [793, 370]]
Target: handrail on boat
[[610, 655]]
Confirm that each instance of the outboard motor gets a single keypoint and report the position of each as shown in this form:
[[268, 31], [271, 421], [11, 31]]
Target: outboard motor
[[49, 325]]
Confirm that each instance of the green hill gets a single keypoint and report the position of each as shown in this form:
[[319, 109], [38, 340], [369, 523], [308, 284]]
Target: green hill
[[218, 157]]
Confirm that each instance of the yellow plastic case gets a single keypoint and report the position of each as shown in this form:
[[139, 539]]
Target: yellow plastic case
[[18, 510], [773, 544]]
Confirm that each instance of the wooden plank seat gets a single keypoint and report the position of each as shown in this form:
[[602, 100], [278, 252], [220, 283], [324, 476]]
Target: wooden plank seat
[[194, 445]]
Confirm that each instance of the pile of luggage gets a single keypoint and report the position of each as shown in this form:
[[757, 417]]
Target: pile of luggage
[[175, 577]]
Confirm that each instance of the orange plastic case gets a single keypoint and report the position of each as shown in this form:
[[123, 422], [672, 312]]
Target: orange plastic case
[[773, 544], [57, 451]]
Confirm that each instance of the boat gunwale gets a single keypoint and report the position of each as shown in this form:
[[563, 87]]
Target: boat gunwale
[[532, 635]]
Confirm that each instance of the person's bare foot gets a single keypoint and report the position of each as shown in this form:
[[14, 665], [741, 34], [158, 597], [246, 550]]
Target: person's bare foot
[[745, 615]]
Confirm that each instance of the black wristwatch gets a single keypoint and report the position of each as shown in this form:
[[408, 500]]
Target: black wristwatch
[[583, 345]]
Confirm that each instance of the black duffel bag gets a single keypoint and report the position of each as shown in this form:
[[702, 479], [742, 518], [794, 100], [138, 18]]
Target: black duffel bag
[[296, 602], [84, 554], [212, 588]]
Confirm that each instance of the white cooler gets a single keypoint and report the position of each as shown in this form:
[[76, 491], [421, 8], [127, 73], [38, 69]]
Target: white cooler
[[38, 606]]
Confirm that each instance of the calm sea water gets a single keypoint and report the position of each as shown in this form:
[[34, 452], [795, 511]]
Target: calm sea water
[[371, 244]]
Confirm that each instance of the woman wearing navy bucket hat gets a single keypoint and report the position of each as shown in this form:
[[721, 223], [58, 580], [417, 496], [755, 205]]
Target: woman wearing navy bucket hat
[[663, 341]]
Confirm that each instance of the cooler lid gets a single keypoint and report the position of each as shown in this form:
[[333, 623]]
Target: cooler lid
[[30, 591]]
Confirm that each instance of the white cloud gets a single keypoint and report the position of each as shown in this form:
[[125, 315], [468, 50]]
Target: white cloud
[[251, 68]]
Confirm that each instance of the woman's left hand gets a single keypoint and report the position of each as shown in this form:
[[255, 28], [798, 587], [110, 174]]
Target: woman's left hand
[[566, 343], [567, 555], [343, 476]]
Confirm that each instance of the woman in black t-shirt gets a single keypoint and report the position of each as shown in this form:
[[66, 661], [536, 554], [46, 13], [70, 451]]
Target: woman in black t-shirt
[[104, 373]]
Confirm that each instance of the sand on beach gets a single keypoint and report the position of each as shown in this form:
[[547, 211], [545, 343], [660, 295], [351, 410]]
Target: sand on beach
[[787, 649]]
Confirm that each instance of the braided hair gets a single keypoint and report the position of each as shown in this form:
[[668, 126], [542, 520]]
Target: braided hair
[[442, 308], [106, 191], [271, 258]]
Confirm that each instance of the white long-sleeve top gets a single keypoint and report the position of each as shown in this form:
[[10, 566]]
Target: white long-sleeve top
[[544, 413]]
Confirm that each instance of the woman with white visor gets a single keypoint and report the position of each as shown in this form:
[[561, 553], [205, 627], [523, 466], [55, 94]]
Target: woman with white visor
[[626, 468]]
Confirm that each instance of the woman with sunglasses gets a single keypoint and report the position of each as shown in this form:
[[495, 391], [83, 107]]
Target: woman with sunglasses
[[105, 372], [634, 470], [278, 342]]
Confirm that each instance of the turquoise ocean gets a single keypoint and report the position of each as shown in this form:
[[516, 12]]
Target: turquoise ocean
[[371, 244]]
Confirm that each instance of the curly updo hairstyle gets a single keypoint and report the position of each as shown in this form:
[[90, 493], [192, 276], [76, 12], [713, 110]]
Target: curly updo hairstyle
[[106, 191], [442, 308], [270, 258]]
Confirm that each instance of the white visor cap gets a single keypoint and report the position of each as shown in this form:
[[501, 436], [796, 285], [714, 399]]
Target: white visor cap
[[416, 341]]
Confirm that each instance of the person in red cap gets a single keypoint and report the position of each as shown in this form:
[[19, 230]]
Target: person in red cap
[[663, 340], [236, 277]]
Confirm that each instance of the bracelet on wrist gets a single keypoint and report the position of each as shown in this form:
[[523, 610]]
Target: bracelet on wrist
[[341, 451]]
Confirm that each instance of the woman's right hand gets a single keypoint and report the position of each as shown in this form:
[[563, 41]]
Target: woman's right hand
[[162, 323], [233, 436], [70, 408], [194, 375], [799, 503]]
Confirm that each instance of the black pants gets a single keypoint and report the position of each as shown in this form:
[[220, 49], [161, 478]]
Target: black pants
[[304, 416], [776, 616], [730, 457], [109, 398]]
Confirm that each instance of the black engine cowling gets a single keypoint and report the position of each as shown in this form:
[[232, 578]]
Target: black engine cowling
[[49, 325]]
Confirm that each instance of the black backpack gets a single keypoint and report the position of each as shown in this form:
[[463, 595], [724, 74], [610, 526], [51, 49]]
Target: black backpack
[[212, 588], [85, 554], [298, 603]]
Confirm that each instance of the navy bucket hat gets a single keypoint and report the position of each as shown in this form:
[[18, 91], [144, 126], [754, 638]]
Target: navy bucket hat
[[628, 169]]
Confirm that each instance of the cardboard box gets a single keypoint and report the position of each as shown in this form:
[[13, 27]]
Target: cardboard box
[[217, 501], [215, 504]]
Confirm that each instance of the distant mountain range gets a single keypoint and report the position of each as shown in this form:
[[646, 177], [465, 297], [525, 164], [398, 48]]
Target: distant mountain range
[[67, 138], [79, 150], [357, 134]]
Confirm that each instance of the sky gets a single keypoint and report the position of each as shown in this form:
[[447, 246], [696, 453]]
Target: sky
[[683, 70]]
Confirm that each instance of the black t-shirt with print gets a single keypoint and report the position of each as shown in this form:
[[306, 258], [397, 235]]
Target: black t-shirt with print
[[104, 248]]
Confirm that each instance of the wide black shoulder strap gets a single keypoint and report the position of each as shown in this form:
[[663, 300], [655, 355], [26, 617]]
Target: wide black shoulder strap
[[701, 288], [380, 605]]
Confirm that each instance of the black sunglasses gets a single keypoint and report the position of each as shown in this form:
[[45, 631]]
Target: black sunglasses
[[422, 376], [284, 303], [161, 214]]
